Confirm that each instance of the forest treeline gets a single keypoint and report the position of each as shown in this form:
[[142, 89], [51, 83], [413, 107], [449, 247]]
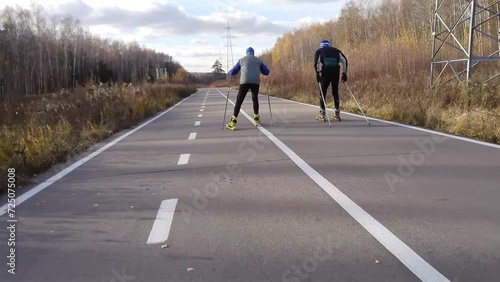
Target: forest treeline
[[381, 38], [41, 54], [388, 44]]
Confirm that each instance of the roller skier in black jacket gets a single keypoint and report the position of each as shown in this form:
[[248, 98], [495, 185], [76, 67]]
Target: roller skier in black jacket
[[326, 65]]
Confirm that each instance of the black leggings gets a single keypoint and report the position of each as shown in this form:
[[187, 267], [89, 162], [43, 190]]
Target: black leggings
[[242, 92], [332, 77]]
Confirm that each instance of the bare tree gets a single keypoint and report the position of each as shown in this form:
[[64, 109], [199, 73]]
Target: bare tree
[[40, 54]]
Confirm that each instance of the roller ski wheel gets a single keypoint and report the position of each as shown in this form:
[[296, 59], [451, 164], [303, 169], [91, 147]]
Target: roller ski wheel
[[256, 119], [320, 118], [232, 124], [337, 115]]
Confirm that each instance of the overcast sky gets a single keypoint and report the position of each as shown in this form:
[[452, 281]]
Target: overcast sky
[[192, 31]]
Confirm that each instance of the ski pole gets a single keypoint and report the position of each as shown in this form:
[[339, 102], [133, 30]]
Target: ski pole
[[324, 102], [227, 99], [352, 95], [269, 102]]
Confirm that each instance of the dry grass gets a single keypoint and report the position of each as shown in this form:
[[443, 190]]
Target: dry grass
[[458, 109], [388, 49], [40, 131]]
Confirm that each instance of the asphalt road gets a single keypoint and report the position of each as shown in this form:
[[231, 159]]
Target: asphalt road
[[180, 199]]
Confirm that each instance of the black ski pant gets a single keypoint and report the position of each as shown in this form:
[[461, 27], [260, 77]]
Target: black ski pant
[[242, 92], [330, 77]]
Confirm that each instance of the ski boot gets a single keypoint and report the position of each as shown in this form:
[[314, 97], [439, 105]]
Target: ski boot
[[321, 116], [256, 118], [232, 124], [337, 115]]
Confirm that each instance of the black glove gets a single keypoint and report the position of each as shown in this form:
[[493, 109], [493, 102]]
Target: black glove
[[318, 77], [344, 77]]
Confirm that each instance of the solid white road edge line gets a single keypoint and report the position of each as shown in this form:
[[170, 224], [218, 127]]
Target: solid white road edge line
[[35, 190], [398, 248], [161, 227], [183, 159], [406, 126], [192, 136]]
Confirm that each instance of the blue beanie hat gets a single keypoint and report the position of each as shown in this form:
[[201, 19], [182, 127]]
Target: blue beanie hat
[[324, 43], [250, 51]]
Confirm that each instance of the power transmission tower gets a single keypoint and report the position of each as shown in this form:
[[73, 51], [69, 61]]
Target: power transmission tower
[[477, 21], [229, 46]]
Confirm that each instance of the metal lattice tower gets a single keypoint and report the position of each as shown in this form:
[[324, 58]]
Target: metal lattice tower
[[461, 35], [229, 46]]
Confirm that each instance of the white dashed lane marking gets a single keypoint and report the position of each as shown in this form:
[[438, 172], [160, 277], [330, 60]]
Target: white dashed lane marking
[[161, 227], [183, 159]]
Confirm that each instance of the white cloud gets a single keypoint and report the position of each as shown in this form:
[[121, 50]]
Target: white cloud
[[196, 53], [310, 20], [195, 60], [167, 19], [138, 6], [141, 5], [289, 1], [254, 1], [192, 31], [197, 41]]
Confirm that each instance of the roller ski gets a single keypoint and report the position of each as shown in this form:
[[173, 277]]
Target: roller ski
[[321, 116], [232, 124], [256, 119], [337, 115]]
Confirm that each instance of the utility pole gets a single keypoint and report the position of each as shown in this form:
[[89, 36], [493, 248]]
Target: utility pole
[[229, 45], [446, 34]]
